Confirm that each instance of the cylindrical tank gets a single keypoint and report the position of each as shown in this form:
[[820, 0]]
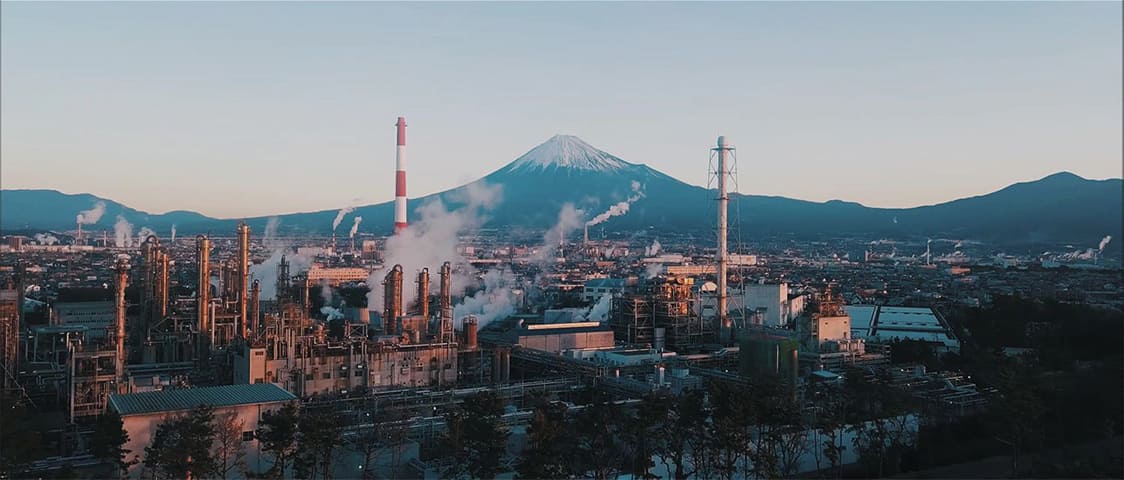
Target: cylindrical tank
[[470, 333], [660, 340]]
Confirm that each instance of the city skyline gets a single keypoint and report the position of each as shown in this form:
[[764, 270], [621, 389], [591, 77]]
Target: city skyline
[[850, 102]]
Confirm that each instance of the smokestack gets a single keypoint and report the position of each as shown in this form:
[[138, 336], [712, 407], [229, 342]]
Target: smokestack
[[255, 304], [165, 263], [446, 302], [423, 293], [122, 279], [392, 299], [203, 292], [243, 275], [470, 333], [400, 178], [721, 173], [78, 238]]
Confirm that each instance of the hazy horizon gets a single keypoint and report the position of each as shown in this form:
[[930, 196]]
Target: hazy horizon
[[245, 110]]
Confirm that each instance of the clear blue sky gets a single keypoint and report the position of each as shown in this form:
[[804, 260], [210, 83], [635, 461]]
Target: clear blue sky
[[239, 109]]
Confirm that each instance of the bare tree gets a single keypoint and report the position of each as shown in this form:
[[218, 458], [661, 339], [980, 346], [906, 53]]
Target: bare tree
[[228, 450]]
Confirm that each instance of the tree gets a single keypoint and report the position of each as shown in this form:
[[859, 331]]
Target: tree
[[20, 437], [547, 444], [277, 433], [597, 432], [229, 450], [181, 446], [682, 422], [476, 437], [318, 435], [108, 441]]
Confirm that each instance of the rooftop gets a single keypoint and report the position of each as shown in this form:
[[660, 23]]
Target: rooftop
[[188, 398]]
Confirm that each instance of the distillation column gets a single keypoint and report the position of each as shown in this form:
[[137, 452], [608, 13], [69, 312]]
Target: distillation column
[[243, 277], [423, 293], [121, 279], [445, 302], [392, 299], [203, 292]]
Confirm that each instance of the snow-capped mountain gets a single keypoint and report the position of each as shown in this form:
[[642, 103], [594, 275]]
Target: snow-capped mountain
[[565, 169], [567, 152]]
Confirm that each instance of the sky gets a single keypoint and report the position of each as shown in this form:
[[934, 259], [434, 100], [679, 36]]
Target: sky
[[247, 109]]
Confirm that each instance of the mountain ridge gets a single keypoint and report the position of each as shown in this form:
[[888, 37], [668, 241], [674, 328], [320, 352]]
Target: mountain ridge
[[565, 169]]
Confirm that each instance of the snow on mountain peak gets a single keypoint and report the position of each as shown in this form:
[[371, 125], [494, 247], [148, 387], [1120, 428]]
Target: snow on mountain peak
[[570, 152]]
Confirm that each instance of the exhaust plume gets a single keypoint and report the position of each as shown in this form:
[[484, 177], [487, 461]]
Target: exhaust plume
[[1104, 243], [173, 232], [432, 239], [269, 237], [620, 208], [91, 216], [653, 249], [143, 234], [355, 226], [46, 239], [122, 233], [569, 219], [339, 217]]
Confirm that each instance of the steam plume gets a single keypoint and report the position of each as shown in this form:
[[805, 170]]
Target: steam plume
[[339, 216], [620, 208], [355, 226], [46, 239], [1104, 243], [173, 232], [122, 233], [91, 216], [653, 249]]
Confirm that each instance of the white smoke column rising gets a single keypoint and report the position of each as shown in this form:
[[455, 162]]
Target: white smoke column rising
[[1104, 243], [569, 219], [269, 237], [326, 293], [339, 216], [46, 239], [431, 240], [91, 216], [653, 249], [653, 270], [122, 233], [173, 232], [355, 226], [620, 208]]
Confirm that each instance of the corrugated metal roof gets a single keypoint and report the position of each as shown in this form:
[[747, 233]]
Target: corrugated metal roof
[[188, 398]]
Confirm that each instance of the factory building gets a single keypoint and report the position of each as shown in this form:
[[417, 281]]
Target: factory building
[[772, 305], [596, 288], [141, 413], [832, 343], [886, 323], [558, 337], [335, 276], [96, 316]]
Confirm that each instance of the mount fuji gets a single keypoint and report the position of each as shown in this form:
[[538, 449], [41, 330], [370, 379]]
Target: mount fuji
[[565, 169]]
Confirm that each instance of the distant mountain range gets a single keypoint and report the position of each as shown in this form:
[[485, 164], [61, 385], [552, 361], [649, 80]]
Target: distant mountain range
[[1059, 208]]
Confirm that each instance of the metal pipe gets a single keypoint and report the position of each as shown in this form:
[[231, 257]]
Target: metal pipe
[[203, 292], [243, 276], [423, 293], [255, 304]]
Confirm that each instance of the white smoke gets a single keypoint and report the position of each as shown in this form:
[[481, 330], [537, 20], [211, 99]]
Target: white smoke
[[653, 270], [569, 219], [91, 216], [653, 249], [46, 239], [122, 233], [326, 293], [432, 240], [355, 226], [173, 232], [1104, 243], [496, 301], [339, 216], [269, 237], [331, 312], [620, 208], [599, 312], [266, 272]]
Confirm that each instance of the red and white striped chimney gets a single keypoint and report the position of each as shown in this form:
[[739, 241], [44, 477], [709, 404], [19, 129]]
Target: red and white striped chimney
[[400, 178]]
